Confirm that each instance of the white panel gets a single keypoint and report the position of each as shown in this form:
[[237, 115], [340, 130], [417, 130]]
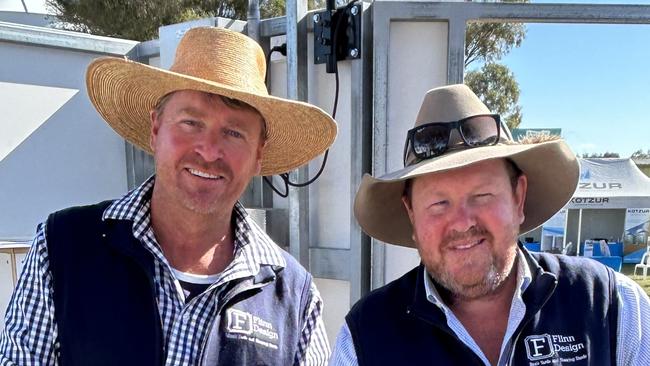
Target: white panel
[[336, 300], [330, 202], [73, 158], [6, 284], [417, 63], [278, 88], [20, 261], [20, 116], [154, 61], [399, 260]]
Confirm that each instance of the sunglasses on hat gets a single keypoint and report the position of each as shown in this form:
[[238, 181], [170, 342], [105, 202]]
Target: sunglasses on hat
[[432, 139]]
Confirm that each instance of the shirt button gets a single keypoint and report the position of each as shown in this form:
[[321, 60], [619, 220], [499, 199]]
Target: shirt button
[[186, 317]]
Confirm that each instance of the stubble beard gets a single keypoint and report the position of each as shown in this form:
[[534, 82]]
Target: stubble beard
[[497, 269]]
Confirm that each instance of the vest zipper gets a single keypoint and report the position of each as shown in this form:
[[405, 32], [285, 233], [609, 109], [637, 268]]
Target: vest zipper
[[525, 323]]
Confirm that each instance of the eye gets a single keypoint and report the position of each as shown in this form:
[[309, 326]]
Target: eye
[[483, 197], [235, 134], [190, 123], [438, 206]]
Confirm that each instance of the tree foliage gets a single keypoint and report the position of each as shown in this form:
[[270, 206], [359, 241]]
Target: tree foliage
[[606, 154], [639, 154], [485, 44], [489, 42], [139, 20], [496, 86]]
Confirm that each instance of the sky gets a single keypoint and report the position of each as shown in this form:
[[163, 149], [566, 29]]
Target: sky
[[590, 80]]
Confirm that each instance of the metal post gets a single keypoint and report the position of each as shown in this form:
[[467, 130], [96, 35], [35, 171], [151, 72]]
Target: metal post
[[380, 48], [456, 49], [297, 89], [253, 19], [256, 185], [360, 150], [579, 232]]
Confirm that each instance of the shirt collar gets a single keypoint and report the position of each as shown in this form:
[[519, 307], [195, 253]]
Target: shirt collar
[[252, 244], [524, 278]]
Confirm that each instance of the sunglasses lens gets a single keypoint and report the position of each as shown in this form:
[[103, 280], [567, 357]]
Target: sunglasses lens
[[430, 141], [480, 130]]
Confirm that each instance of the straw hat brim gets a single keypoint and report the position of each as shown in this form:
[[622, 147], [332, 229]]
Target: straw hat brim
[[552, 171], [123, 92]]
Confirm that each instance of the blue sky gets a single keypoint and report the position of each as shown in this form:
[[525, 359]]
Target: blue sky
[[590, 80]]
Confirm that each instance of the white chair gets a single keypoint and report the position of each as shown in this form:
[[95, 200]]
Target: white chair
[[568, 249], [644, 265], [604, 249]]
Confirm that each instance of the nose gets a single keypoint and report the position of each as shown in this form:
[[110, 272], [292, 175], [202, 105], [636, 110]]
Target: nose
[[462, 219], [209, 147]]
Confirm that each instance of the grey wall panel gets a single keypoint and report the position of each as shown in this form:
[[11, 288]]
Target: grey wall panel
[[72, 158]]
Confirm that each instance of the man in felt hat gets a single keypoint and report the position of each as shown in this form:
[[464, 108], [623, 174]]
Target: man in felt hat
[[479, 298], [176, 272]]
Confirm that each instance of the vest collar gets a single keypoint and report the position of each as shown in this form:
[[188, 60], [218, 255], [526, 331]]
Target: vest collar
[[535, 294]]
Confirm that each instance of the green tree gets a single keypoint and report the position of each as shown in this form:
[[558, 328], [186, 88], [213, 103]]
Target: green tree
[[639, 154], [139, 20], [606, 154], [496, 86], [485, 44]]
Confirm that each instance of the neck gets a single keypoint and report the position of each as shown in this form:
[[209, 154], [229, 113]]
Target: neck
[[192, 242], [497, 301], [486, 318]]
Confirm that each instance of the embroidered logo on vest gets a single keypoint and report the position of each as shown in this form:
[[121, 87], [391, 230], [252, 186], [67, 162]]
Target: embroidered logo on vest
[[543, 348], [246, 326]]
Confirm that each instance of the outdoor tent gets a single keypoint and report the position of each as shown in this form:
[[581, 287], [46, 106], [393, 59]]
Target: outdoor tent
[[610, 184]]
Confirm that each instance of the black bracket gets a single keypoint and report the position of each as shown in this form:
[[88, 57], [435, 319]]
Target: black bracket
[[337, 35]]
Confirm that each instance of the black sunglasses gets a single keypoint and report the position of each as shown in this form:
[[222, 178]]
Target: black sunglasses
[[432, 139]]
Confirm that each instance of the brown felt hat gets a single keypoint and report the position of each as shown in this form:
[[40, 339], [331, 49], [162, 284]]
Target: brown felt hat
[[552, 171], [218, 61]]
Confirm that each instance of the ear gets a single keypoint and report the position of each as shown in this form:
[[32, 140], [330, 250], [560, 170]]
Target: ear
[[409, 208], [260, 153], [520, 196], [155, 126]]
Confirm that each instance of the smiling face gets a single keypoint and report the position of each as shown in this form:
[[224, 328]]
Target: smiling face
[[465, 225], [205, 150]]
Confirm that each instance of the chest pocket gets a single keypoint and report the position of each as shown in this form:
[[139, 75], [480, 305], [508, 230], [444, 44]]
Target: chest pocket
[[260, 326]]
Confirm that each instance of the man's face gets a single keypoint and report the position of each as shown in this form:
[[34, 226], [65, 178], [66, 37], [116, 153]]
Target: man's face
[[465, 224], [205, 151]]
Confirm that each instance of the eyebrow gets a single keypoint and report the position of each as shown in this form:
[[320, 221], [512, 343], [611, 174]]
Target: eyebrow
[[230, 122], [191, 111]]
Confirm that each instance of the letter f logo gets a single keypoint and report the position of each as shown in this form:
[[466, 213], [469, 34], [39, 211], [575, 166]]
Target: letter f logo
[[539, 347]]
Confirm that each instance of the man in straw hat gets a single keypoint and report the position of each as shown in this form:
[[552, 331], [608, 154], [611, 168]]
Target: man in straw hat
[[176, 272], [479, 298]]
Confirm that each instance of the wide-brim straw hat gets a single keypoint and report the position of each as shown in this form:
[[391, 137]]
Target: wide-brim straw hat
[[551, 168], [217, 61]]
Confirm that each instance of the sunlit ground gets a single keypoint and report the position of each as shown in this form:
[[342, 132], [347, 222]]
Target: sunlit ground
[[628, 269]]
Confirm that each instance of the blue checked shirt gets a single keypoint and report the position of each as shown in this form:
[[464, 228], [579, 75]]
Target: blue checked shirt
[[633, 340], [30, 334]]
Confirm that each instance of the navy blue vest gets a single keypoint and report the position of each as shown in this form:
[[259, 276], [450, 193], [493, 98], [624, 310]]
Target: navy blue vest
[[571, 319], [105, 303]]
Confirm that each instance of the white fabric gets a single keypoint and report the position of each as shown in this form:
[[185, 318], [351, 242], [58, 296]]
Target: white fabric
[[610, 183]]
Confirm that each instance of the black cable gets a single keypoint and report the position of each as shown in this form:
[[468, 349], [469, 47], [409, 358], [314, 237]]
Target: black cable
[[285, 176]]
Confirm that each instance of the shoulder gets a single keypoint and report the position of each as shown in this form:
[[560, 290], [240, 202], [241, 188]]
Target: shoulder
[[397, 293], [630, 291], [573, 268], [79, 212]]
